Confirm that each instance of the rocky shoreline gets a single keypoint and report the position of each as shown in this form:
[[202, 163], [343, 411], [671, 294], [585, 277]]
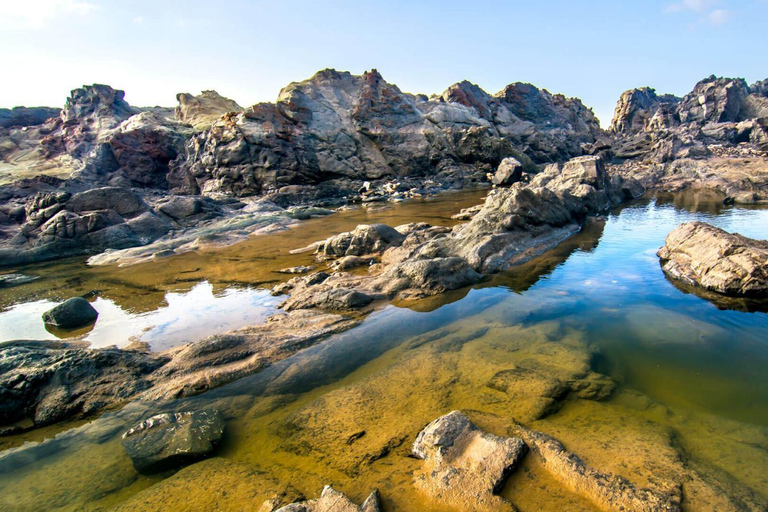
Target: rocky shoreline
[[127, 185]]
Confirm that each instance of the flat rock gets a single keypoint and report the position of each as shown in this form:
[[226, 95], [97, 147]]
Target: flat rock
[[170, 440], [70, 314], [703, 255], [465, 467], [9, 280], [332, 500]]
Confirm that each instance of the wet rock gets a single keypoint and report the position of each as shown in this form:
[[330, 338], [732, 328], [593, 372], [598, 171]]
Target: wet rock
[[510, 171], [608, 491], [52, 381], [9, 280], [70, 314], [434, 275], [703, 255], [170, 440], [465, 467], [332, 500], [222, 358]]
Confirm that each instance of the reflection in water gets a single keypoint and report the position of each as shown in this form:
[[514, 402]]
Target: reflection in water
[[345, 411]]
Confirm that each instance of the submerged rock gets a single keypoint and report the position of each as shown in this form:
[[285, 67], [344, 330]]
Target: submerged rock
[[70, 314], [608, 491], [9, 280], [332, 500], [703, 255], [170, 440], [465, 467]]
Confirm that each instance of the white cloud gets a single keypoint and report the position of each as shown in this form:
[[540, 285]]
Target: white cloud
[[690, 5], [138, 20], [719, 17], [36, 14]]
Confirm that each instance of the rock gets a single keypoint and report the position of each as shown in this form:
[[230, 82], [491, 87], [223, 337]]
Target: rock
[[510, 171], [364, 239], [123, 202], [203, 110], [465, 467], [434, 275], [709, 257], [169, 440], [9, 280], [26, 116], [714, 99], [636, 107], [181, 207], [52, 381], [607, 491], [70, 314], [331, 500]]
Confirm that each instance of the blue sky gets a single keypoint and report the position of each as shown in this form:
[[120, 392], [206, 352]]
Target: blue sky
[[249, 50]]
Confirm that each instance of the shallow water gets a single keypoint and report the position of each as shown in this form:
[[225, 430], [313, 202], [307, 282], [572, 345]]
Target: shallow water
[[187, 297], [692, 391]]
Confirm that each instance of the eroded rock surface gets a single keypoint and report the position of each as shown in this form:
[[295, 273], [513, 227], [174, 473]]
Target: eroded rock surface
[[709, 257], [203, 110], [170, 440], [465, 467]]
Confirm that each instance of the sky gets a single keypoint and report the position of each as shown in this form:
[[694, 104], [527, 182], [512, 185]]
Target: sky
[[249, 50]]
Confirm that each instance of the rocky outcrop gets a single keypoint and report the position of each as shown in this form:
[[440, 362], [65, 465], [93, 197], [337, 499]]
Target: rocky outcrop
[[46, 382], [57, 224], [70, 314], [510, 171], [170, 440], [331, 500], [465, 467], [337, 126], [19, 117], [203, 110], [703, 255], [718, 112]]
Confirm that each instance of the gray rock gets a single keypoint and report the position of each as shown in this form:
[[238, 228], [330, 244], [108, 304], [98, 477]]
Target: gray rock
[[169, 440], [364, 239], [332, 500], [70, 314], [703, 255], [465, 467], [122, 201], [510, 171], [181, 207], [26, 116]]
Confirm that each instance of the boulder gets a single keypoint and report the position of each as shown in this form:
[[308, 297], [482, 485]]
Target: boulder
[[703, 255], [465, 467], [331, 500], [510, 171], [364, 239], [169, 440], [71, 314], [181, 207], [434, 275], [122, 201]]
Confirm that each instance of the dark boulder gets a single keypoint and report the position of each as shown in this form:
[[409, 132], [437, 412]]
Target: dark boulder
[[71, 314]]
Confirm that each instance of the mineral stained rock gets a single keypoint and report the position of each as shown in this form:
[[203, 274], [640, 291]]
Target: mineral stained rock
[[703, 255], [170, 440]]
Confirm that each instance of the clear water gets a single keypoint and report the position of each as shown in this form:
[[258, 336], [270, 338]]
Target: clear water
[[692, 387]]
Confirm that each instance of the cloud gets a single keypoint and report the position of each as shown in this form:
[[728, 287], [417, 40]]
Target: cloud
[[138, 20], [719, 17], [36, 14], [689, 5]]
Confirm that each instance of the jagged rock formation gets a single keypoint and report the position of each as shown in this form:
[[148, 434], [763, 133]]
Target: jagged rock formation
[[203, 110], [703, 255], [721, 111], [339, 127]]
